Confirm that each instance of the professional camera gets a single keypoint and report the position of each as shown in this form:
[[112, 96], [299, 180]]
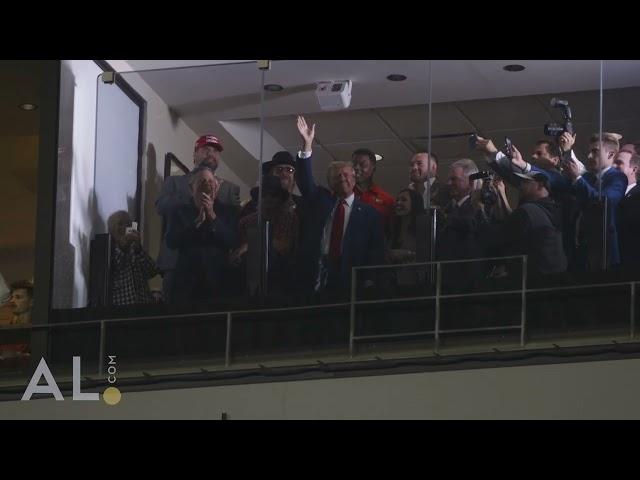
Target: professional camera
[[555, 130]]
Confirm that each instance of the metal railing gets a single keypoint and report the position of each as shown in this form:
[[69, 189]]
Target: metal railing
[[354, 302], [438, 297]]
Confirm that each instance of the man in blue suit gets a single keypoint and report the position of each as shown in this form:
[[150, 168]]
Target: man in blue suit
[[339, 231], [601, 184]]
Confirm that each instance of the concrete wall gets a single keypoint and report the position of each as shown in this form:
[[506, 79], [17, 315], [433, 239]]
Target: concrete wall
[[589, 390]]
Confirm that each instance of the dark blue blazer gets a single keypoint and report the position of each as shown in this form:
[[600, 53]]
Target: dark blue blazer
[[558, 182], [363, 241], [614, 184]]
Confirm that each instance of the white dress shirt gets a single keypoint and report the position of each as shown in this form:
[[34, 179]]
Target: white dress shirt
[[326, 236]]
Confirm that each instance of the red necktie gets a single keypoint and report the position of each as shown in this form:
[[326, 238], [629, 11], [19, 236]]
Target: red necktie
[[335, 246]]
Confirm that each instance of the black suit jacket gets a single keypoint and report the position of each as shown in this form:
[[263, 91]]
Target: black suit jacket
[[629, 228], [175, 194], [202, 252], [459, 239]]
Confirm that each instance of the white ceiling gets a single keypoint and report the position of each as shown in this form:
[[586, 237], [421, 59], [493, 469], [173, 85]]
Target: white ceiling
[[232, 91], [391, 117]]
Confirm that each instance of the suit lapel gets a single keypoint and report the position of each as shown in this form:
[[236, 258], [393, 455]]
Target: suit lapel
[[354, 221]]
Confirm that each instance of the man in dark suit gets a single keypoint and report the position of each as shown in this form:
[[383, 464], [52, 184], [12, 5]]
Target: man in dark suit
[[423, 171], [629, 211], [464, 219], [339, 231], [176, 193], [202, 232], [602, 184]]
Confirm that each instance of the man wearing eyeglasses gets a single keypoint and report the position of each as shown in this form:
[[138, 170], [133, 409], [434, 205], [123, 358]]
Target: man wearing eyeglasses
[[283, 166]]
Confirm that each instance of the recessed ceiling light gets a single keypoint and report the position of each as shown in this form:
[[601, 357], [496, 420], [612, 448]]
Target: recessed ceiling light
[[396, 77], [28, 106], [272, 87], [513, 68]]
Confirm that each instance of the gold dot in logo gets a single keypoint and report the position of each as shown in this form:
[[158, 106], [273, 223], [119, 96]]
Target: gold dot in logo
[[111, 396]]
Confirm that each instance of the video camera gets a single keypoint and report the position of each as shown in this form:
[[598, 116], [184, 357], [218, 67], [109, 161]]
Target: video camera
[[488, 195], [554, 129]]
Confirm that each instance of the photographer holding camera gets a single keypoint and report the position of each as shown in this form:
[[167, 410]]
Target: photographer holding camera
[[533, 229], [544, 161], [492, 196]]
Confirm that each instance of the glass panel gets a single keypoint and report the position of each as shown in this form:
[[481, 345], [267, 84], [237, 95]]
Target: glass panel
[[360, 116], [621, 99], [360, 109], [20, 82], [289, 337]]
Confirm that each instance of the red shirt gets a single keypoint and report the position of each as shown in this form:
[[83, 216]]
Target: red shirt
[[378, 199]]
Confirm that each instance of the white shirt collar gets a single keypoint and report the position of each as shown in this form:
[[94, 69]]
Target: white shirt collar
[[605, 171], [629, 187], [430, 180], [462, 200], [350, 199]]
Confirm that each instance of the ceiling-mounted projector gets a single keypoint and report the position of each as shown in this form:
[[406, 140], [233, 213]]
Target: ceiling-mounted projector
[[334, 95]]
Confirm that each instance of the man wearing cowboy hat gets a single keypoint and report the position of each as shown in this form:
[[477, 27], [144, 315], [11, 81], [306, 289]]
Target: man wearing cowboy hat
[[283, 166]]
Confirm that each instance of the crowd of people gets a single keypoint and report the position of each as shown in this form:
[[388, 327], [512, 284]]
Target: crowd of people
[[572, 216]]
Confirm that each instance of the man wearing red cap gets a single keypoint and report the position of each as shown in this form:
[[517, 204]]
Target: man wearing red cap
[[176, 193]]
